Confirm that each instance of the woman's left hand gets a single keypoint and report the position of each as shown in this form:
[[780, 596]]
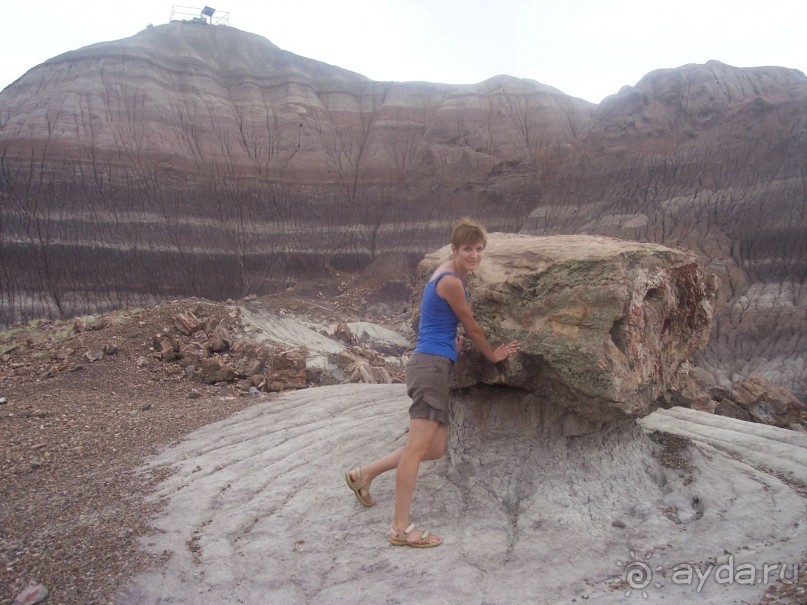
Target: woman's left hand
[[504, 351]]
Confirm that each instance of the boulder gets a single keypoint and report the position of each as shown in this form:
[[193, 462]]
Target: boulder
[[287, 370], [213, 370], [190, 353], [221, 339], [753, 399], [187, 323], [379, 338], [343, 334], [33, 593], [165, 347], [89, 324], [605, 325], [768, 403]]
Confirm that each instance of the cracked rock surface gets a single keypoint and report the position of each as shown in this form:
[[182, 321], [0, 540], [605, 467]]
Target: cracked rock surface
[[257, 511]]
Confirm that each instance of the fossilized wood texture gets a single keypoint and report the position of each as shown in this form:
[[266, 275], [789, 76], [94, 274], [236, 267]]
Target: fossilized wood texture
[[605, 325]]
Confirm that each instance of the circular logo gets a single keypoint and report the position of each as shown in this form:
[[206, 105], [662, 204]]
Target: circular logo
[[638, 575]]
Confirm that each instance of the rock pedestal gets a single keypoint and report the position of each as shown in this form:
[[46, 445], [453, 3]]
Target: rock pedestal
[[606, 329]]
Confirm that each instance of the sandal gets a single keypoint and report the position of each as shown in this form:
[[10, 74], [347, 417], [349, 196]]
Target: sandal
[[424, 541], [357, 485]]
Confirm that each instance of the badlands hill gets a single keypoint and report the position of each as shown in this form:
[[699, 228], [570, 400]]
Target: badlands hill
[[202, 160]]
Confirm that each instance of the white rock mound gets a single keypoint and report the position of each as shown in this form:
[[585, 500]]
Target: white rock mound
[[257, 511]]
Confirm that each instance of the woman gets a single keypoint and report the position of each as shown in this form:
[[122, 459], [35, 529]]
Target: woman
[[444, 306]]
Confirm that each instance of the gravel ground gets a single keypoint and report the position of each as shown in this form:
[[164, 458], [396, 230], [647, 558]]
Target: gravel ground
[[73, 435]]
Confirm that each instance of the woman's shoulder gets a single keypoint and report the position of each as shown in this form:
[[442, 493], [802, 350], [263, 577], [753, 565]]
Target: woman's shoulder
[[439, 276], [443, 269], [449, 285]]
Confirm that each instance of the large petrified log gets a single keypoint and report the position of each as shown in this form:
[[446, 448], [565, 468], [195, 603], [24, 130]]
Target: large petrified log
[[606, 326]]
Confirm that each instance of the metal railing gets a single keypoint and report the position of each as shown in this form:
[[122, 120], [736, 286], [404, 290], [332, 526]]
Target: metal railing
[[199, 15]]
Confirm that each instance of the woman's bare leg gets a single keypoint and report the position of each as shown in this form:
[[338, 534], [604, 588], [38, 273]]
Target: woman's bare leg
[[437, 449], [421, 435]]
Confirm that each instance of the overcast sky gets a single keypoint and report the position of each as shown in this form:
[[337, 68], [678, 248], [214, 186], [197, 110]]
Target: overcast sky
[[586, 48]]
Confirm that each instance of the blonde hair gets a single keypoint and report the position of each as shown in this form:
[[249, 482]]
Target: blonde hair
[[467, 231]]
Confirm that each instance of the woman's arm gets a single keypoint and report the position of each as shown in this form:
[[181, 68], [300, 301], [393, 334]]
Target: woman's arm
[[451, 290]]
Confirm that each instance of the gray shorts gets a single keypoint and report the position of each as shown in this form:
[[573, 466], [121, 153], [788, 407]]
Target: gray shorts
[[427, 382]]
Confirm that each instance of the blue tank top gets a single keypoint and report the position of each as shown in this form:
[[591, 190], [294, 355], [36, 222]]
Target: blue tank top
[[437, 331]]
